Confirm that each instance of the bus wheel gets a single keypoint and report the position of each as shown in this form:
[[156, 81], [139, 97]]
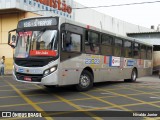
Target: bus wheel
[[85, 81], [133, 76]]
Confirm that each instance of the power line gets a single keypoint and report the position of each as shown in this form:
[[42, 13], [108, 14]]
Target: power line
[[118, 5]]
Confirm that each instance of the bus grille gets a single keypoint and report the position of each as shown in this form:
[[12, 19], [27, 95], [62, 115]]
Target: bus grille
[[34, 78], [31, 63]]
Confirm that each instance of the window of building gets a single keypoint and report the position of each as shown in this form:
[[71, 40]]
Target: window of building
[[118, 47], [92, 42], [106, 44], [128, 49]]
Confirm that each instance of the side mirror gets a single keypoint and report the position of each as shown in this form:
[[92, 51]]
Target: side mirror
[[12, 41], [13, 38]]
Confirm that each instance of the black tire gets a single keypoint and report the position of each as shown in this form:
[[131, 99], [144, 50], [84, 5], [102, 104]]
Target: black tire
[[133, 76], [85, 81]]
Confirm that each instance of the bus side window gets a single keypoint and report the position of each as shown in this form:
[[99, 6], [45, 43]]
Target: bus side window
[[127, 49], [66, 41], [92, 42], [71, 42], [118, 47], [106, 44], [149, 53], [136, 51], [143, 52]]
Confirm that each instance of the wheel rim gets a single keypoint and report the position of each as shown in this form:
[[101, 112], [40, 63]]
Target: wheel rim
[[84, 81], [134, 75]]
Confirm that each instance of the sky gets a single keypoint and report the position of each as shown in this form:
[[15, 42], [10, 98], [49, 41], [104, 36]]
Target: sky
[[144, 15]]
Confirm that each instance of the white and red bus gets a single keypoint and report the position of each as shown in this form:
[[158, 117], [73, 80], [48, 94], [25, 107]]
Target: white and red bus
[[54, 51]]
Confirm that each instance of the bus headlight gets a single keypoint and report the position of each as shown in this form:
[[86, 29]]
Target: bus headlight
[[53, 69], [49, 71]]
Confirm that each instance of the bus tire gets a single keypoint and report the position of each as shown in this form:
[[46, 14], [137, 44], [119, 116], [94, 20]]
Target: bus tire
[[133, 76], [85, 81]]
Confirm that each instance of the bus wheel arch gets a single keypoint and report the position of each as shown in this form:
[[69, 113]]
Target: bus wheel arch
[[86, 80], [134, 75], [90, 70]]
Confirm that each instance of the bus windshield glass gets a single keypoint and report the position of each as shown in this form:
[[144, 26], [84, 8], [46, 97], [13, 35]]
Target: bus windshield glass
[[36, 43]]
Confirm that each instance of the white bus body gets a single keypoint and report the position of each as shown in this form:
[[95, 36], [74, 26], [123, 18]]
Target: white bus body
[[95, 55]]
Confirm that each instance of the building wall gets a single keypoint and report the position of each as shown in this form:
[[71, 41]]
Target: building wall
[[100, 20], [29, 14], [37, 7], [9, 22], [0, 29], [151, 38]]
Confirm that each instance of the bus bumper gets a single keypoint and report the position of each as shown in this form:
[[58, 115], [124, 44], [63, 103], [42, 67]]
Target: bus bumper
[[51, 79]]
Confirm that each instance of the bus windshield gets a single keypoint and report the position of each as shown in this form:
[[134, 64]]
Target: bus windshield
[[36, 43]]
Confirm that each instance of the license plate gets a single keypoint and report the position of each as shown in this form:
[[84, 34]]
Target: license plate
[[27, 78]]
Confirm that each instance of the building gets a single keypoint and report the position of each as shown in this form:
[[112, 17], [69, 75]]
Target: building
[[102, 21], [149, 37], [11, 11]]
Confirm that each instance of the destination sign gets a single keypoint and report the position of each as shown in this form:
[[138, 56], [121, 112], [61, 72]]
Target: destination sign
[[38, 22]]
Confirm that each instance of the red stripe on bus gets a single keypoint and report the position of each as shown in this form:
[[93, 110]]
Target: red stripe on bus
[[43, 53], [105, 59]]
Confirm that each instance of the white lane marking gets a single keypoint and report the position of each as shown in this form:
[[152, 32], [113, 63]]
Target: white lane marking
[[155, 97], [112, 109]]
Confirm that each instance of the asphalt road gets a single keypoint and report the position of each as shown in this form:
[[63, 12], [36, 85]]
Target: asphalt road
[[109, 100]]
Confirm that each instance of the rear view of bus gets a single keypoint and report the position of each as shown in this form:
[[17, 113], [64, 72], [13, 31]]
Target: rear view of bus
[[36, 50]]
